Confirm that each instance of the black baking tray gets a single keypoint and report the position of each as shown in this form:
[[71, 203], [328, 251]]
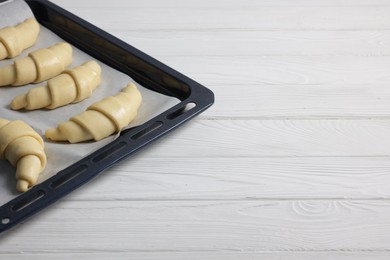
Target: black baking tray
[[147, 71]]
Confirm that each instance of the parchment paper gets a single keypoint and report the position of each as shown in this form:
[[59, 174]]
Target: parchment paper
[[61, 155]]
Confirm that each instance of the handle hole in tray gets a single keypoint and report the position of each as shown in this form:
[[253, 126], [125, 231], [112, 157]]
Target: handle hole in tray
[[28, 201], [5, 221], [116, 148], [156, 125], [68, 176], [181, 110]]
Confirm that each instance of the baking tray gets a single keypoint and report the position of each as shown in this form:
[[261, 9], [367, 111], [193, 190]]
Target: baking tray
[[145, 70]]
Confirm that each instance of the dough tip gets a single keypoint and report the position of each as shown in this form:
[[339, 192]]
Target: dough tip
[[94, 66], [19, 102], [131, 87], [55, 135], [22, 185]]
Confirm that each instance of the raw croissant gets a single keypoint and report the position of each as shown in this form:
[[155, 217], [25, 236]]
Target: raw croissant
[[101, 119], [23, 148], [72, 86], [14, 40], [38, 66]]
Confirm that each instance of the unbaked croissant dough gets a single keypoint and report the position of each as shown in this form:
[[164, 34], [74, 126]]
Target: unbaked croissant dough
[[13, 40], [101, 119], [23, 148], [38, 66], [72, 86]]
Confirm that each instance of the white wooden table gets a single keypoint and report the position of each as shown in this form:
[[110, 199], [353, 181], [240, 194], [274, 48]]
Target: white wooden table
[[292, 162]]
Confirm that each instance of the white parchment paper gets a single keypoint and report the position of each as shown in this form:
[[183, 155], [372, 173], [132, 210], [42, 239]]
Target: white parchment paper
[[61, 155]]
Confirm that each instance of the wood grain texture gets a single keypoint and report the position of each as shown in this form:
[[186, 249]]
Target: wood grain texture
[[247, 15], [295, 70], [220, 3], [259, 43], [292, 161], [276, 138], [232, 255], [205, 226], [188, 179], [341, 101]]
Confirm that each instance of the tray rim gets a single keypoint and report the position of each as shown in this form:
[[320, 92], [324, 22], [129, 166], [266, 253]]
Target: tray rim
[[129, 142]]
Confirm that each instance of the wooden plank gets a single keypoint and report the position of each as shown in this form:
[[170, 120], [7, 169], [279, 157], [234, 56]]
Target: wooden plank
[[208, 226], [101, 4], [174, 255], [148, 179], [255, 43], [275, 138], [300, 101], [236, 17], [274, 70]]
